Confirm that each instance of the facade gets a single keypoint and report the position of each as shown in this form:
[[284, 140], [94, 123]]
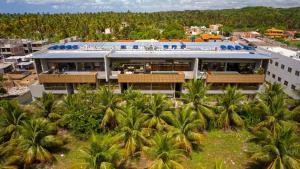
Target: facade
[[10, 47], [284, 68], [274, 32], [152, 67], [38, 45]]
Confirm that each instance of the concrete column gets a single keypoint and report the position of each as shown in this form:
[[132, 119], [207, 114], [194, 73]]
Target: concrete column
[[196, 63], [107, 68], [225, 67], [44, 65]]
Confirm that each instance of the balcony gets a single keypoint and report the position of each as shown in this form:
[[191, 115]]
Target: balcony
[[68, 77], [234, 77], [152, 78]]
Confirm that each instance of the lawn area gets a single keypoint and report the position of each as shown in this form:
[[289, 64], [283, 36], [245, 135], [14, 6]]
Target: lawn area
[[228, 146]]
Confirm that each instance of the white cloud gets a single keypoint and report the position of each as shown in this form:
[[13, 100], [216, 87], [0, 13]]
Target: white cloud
[[155, 5]]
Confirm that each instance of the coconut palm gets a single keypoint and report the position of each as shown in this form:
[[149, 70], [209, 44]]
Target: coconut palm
[[131, 131], [11, 118], [9, 155], [271, 90], [165, 152], [197, 95], [157, 110], [108, 105], [276, 113], [37, 139], [47, 106], [277, 150], [183, 128], [103, 153], [229, 105], [136, 99]]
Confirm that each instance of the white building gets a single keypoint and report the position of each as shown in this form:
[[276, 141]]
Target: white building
[[284, 68]]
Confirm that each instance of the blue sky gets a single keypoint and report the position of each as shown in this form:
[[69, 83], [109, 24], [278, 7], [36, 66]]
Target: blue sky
[[59, 6]]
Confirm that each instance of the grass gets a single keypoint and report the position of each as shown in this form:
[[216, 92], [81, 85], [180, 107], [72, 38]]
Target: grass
[[219, 145], [227, 146]]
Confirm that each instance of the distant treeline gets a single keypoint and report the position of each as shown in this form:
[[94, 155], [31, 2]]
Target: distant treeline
[[155, 25]]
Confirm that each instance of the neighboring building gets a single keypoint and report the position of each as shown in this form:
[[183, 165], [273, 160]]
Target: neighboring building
[[274, 32], [9, 47], [70, 39], [27, 46], [284, 68], [39, 45], [6, 68], [215, 28], [209, 37], [153, 67]]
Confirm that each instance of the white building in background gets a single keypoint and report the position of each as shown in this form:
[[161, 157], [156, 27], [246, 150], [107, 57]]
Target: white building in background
[[284, 68]]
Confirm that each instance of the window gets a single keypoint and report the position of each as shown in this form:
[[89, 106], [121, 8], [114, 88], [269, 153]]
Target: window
[[286, 83], [268, 72], [273, 76], [271, 61], [293, 87], [282, 66], [279, 79], [276, 63], [289, 69], [297, 73]]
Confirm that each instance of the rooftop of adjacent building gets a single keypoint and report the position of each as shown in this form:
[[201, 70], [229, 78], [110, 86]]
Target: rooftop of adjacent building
[[283, 51]]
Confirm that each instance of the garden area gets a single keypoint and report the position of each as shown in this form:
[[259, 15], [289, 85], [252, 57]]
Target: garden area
[[103, 130]]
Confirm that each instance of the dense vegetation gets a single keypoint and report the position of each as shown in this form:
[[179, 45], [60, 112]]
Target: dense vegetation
[[157, 130], [142, 25]]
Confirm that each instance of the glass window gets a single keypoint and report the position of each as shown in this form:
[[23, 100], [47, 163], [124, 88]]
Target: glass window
[[282, 66], [279, 79], [273, 76], [289, 69], [297, 73], [286, 83], [293, 87], [276, 63], [268, 73], [271, 61]]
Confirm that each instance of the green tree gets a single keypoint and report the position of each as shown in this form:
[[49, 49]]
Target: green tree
[[183, 128], [165, 152], [103, 153], [229, 106], [132, 131], [11, 118], [197, 96], [277, 150], [47, 106], [38, 138]]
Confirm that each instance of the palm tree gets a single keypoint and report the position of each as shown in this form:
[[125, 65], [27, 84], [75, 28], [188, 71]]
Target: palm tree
[[183, 128], [132, 131], [136, 99], [271, 90], [277, 150], [48, 106], [166, 153], [108, 105], [103, 153], [157, 110], [11, 118], [37, 139], [276, 113], [197, 95], [229, 104], [9, 155]]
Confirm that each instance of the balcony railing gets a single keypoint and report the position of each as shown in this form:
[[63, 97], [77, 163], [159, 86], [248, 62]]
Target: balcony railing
[[152, 78], [234, 78], [68, 77]]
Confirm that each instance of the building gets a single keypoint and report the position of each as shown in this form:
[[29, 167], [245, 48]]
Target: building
[[39, 45], [209, 37], [273, 32], [70, 39], [9, 47], [6, 68], [27, 46], [284, 68], [152, 67]]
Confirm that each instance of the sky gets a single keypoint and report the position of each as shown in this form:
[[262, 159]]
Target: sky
[[62, 6]]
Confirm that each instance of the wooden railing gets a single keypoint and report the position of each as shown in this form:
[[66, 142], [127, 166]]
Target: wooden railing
[[80, 77], [235, 78], [151, 78]]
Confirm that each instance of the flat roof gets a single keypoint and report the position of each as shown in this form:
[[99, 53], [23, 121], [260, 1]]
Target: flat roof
[[72, 54], [5, 65], [113, 50], [282, 51]]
